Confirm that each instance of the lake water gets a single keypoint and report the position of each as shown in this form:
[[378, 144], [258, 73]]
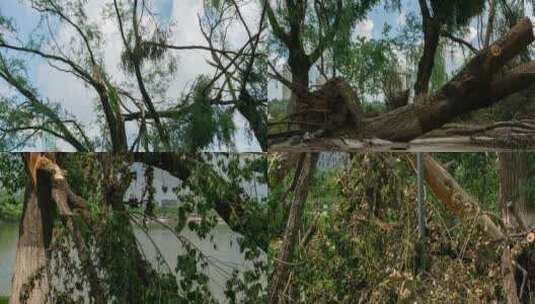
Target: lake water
[[221, 247], [8, 246]]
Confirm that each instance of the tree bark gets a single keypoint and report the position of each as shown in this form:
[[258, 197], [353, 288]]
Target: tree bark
[[449, 192], [516, 206], [290, 240], [427, 61], [490, 23], [300, 69], [35, 235], [513, 176], [471, 89]]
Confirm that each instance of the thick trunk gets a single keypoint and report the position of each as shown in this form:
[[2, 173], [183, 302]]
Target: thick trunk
[[290, 240], [300, 69], [30, 281], [513, 175], [515, 206], [471, 89], [513, 191], [427, 61], [474, 87]]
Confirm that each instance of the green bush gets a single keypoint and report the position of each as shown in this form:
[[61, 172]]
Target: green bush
[[10, 210]]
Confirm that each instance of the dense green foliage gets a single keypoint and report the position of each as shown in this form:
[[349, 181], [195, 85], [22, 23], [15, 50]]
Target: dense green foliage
[[365, 245], [11, 179], [204, 122]]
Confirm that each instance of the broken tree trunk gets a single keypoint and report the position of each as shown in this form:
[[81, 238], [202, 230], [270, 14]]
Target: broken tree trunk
[[474, 87], [471, 89], [290, 240], [515, 206], [30, 280], [67, 202], [47, 185], [513, 176]]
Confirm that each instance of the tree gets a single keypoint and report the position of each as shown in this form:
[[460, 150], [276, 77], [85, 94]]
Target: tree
[[34, 241], [148, 63], [100, 229], [337, 110], [306, 31]]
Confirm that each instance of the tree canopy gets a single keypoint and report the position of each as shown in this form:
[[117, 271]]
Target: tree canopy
[[127, 56]]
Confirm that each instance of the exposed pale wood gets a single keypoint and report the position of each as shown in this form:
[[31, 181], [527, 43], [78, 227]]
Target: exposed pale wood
[[35, 235], [449, 192]]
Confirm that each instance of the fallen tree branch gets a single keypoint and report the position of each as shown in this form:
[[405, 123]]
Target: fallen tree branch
[[446, 189], [449, 192], [474, 87], [497, 136]]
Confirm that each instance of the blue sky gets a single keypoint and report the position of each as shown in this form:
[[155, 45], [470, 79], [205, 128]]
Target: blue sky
[[78, 100]]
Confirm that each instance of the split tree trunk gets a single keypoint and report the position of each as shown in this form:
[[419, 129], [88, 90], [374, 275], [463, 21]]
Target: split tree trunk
[[35, 235]]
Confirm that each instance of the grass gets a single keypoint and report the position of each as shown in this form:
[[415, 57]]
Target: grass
[[4, 300]]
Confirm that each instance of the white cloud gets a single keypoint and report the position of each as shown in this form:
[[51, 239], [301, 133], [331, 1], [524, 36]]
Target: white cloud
[[529, 10], [66, 90], [471, 34], [364, 29], [401, 20], [75, 98], [190, 63]]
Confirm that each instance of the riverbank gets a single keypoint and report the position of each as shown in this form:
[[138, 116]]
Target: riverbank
[[10, 207]]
